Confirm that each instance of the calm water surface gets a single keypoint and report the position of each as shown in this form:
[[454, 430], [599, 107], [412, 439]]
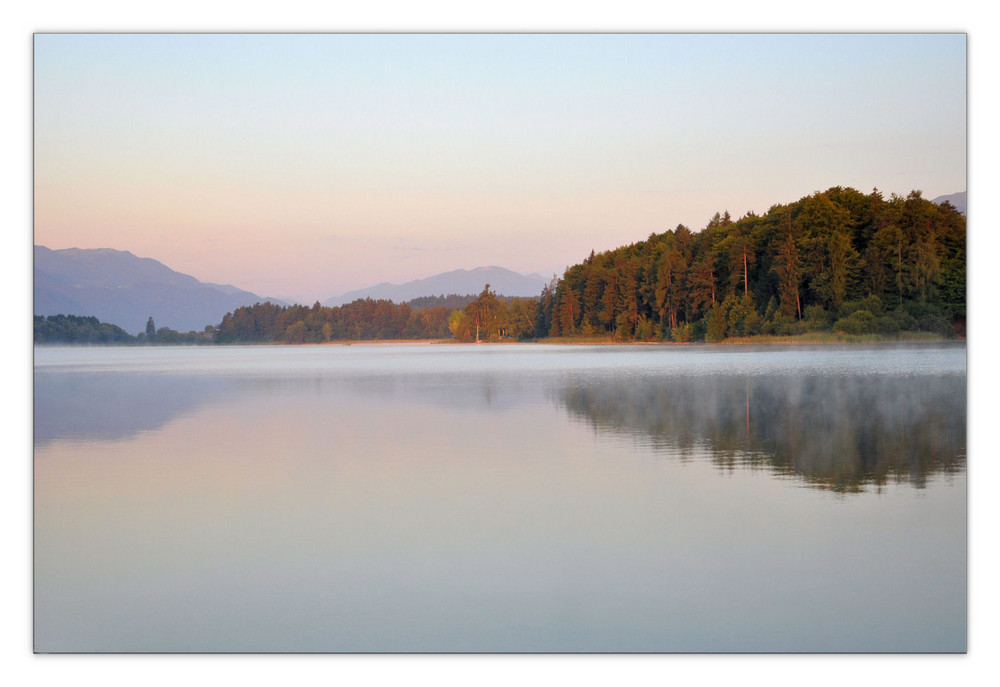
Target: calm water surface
[[500, 498]]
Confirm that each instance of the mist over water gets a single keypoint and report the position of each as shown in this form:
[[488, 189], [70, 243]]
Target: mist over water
[[500, 498]]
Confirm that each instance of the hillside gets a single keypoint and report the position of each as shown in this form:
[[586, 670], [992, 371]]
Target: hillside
[[502, 281], [837, 260], [123, 289], [960, 200]]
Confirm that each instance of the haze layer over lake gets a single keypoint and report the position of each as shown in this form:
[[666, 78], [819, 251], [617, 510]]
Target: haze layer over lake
[[519, 498]]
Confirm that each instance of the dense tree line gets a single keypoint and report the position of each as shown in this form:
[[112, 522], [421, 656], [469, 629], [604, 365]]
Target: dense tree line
[[74, 329], [361, 319], [496, 317], [836, 260], [452, 301], [490, 318]]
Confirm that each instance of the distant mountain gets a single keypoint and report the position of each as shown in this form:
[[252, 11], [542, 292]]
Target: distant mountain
[[502, 281], [959, 200], [120, 288]]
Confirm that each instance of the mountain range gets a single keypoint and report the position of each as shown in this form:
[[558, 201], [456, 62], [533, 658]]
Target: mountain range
[[120, 288], [117, 287], [502, 281]]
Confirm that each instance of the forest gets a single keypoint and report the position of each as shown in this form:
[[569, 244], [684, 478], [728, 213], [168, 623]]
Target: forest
[[490, 316], [75, 329], [836, 261]]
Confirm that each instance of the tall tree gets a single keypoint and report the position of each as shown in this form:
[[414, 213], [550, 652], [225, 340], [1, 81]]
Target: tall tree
[[701, 294], [484, 315], [788, 267], [569, 311], [627, 304], [671, 273]]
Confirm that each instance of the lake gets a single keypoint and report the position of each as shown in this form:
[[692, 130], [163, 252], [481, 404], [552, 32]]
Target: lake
[[500, 498]]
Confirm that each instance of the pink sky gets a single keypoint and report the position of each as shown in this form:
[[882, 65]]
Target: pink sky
[[301, 167]]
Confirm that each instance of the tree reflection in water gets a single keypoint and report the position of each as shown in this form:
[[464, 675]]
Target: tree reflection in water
[[838, 432]]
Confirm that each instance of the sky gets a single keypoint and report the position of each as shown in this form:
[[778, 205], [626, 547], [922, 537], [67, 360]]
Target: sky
[[303, 166]]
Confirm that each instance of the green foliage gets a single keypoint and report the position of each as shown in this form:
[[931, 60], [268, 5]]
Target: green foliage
[[647, 330], [742, 318], [485, 316], [896, 321], [452, 302], [930, 318], [682, 334], [785, 325], [380, 319], [715, 324], [521, 313], [834, 259], [458, 325], [914, 316], [543, 312], [837, 259], [73, 329], [858, 322], [427, 323], [361, 319], [872, 304], [817, 318], [296, 333], [820, 259]]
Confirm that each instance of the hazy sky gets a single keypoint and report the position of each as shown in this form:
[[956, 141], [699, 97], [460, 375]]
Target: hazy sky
[[302, 166]]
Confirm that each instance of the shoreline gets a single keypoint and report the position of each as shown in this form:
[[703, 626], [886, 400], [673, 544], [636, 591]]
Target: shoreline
[[373, 342], [818, 339]]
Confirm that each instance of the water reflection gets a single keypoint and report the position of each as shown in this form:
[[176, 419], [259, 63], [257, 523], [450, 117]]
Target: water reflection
[[842, 432], [834, 432], [94, 407], [332, 499]]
